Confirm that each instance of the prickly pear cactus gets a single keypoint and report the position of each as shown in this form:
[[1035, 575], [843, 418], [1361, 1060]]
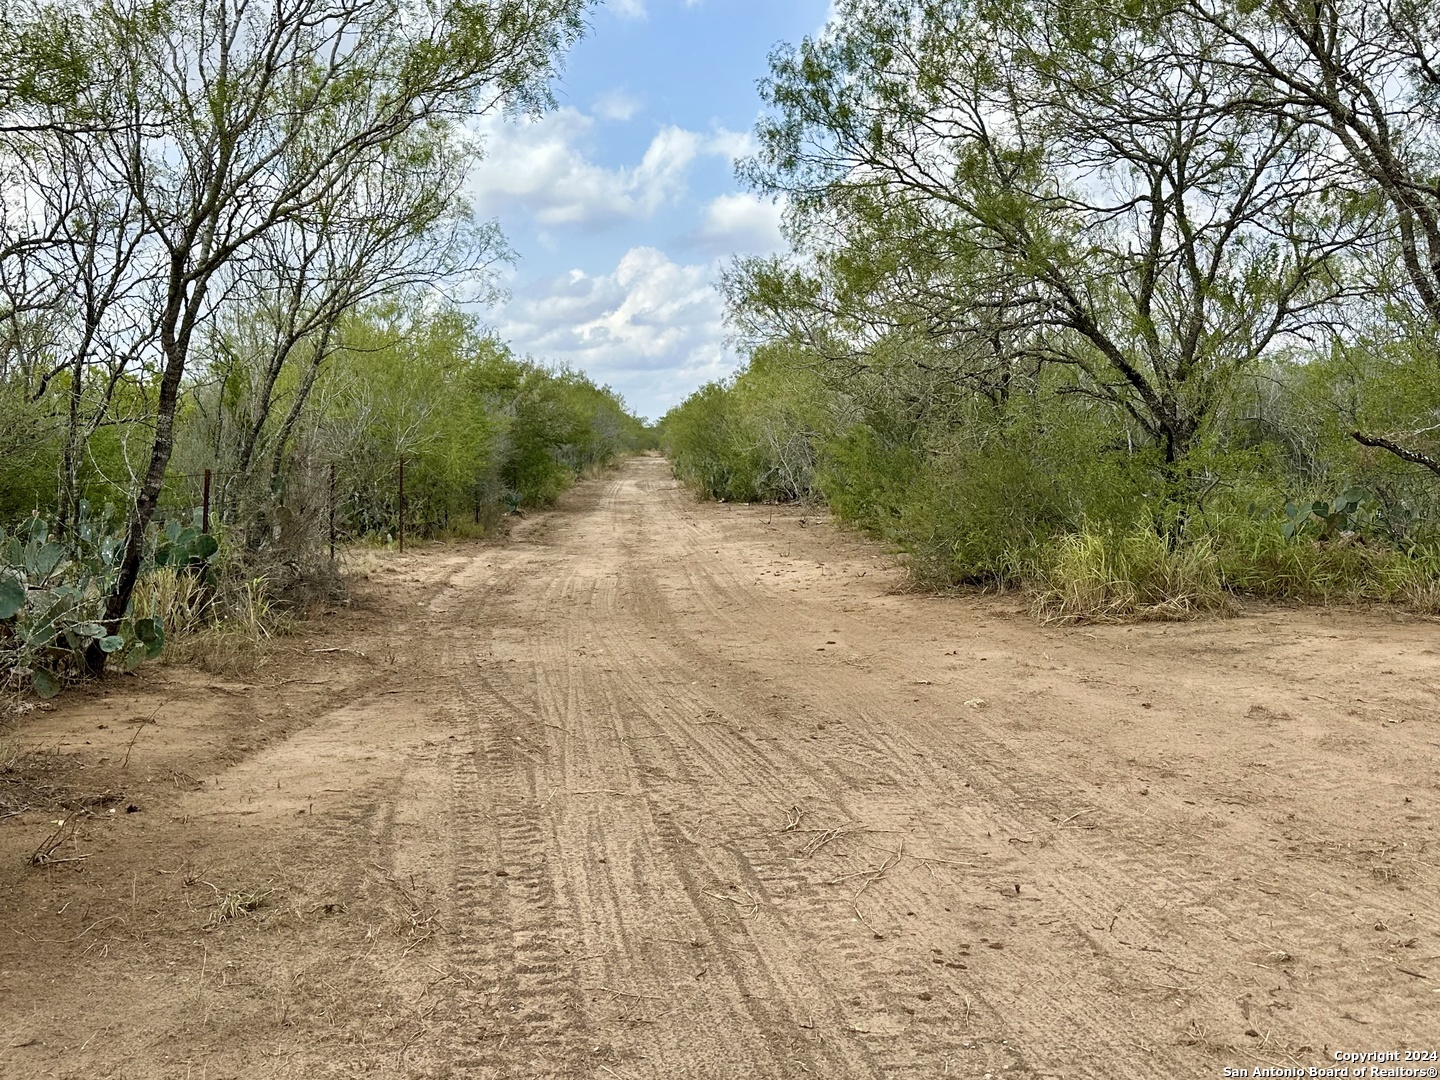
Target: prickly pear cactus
[[52, 594]]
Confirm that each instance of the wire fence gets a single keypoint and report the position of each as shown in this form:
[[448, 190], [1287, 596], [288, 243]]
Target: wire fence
[[308, 505]]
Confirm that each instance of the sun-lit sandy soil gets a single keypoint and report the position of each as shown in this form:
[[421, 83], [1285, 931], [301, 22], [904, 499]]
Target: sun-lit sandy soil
[[662, 789]]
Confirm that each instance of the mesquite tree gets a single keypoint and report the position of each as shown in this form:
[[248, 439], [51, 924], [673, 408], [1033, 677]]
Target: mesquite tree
[[1366, 77], [392, 227], [1059, 183], [234, 126]]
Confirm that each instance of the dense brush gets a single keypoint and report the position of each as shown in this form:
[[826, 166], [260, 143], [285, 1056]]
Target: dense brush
[[1097, 576]]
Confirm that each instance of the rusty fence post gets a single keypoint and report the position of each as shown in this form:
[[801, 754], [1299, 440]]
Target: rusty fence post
[[402, 506], [205, 503], [332, 511]]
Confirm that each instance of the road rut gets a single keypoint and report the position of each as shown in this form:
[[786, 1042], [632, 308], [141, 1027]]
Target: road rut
[[683, 790]]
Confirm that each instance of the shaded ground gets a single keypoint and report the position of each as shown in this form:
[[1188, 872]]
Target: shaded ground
[[660, 789]]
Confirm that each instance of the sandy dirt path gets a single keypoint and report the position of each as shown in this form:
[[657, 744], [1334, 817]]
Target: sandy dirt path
[[662, 789]]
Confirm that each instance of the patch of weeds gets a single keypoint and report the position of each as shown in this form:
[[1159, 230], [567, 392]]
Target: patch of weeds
[[1096, 576], [419, 918], [230, 906]]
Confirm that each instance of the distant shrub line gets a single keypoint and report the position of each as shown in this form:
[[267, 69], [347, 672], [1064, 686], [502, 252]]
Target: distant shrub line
[[1032, 493]]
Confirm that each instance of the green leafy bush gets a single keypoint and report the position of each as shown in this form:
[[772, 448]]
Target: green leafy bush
[[52, 596], [756, 438], [1348, 512], [1031, 490]]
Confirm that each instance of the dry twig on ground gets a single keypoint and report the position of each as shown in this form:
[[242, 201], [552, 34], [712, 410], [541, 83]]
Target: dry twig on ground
[[872, 876], [64, 832]]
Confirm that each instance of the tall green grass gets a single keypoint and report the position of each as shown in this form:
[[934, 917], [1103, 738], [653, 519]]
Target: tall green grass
[[1097, 576]]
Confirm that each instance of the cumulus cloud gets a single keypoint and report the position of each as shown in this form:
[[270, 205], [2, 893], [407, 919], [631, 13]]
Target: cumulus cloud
[[731, 144], [652, 328], [627, 9], [540, 169], [616, 105], [740, 224]]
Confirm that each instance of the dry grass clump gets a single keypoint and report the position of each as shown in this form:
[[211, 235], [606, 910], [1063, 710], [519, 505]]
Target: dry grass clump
[[218, 650], [1106, 577], [229, 634], [176, 595], [1413, 583], [1347, 569], [230, 906]]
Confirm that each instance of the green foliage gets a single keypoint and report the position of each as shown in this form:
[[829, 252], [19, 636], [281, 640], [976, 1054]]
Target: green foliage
[[481, 432], [559, 426], [1028, 359], [1095, 576], [1045, 491], [708, 448], [293, 167], [402, 387], [30, 451], [1330, 518], [755, 438], [52, 595], [971, 491], [43, 57], [185, 546], [867, 478]]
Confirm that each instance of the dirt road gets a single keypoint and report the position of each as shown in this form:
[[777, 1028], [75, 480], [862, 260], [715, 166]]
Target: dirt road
[[660, 789]]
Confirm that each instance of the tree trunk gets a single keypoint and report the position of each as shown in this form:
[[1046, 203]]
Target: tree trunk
[[302, 395], [69, 522], [146, 500]]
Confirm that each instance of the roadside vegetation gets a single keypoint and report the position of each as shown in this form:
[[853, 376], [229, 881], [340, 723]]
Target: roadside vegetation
[[1136, 307], [234, 261]]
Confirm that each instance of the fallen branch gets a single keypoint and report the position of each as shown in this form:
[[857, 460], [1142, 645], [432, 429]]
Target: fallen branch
[[621, 993], [605, 791], [825, 836], [148, 720], [63, 833], [750, 899], [874, 876]]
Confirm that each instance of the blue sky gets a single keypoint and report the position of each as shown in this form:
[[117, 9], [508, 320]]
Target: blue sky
[[622, 203]]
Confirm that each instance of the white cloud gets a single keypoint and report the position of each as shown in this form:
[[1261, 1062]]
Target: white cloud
[[538, 168], [652, 328], [627, 9], [616, 105], [740, 224], [731, 144]]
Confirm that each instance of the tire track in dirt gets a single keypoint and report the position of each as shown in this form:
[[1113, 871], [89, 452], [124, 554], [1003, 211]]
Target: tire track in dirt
[[672, 820], [662, 789], [843, 931], [717, 756], [702, 760], [1099, 879], [884, 774], [655, 937]]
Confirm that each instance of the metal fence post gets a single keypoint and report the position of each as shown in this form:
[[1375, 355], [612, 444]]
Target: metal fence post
[[205, 503], [402, 506]]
